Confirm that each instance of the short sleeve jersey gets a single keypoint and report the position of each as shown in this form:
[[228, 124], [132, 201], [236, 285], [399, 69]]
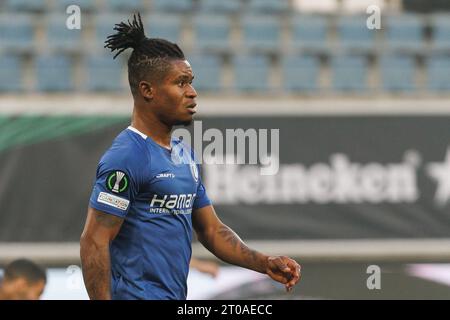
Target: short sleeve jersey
[[155, 190]]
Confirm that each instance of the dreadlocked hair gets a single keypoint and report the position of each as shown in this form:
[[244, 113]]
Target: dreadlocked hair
[[150, 56]]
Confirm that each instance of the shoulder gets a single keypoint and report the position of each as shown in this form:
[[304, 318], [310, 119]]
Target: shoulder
[[127, 151]]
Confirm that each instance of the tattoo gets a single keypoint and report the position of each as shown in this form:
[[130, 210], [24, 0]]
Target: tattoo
[[107, 220], [229, 236], [252, 254], [237, 244]]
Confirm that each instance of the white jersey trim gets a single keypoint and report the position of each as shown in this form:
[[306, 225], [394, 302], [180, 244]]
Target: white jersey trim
[[137, 131]]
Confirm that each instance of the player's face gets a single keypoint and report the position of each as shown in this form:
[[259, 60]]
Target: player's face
[[175, 96]]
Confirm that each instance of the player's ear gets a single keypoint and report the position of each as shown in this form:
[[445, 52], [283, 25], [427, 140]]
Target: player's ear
[[146, 90]]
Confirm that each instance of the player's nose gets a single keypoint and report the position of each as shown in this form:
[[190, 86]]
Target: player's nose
[[191, 93]]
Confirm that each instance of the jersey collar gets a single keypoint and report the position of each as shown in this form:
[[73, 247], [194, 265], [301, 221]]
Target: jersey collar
[[137, 131]]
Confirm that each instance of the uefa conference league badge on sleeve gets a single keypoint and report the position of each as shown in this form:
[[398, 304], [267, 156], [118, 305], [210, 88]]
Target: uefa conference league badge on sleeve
[[117, 181]]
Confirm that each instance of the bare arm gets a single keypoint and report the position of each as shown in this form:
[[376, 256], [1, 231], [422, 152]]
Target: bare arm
[[100, 229], [227, 246]]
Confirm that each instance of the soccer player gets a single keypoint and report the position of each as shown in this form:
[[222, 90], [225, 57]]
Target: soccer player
[[22, 280], [148, 194]]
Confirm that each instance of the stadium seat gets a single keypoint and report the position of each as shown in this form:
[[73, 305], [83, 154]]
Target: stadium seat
[[397, 73], [440, 25], [85, 5], [104, 73], [360, 6], [438, 73], [353, 35], [251, 73], [268, 6], [260, 33], [163, 26], [53, 73], [212, 32], [11, 73], [59, 37], [207, 71], [172, 5], [349, 73], [25, 5], [125, 6], [403, 33], [220, 6], [16, 32], [300, 73], [309, 33]]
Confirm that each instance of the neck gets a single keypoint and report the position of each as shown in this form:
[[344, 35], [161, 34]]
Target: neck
[[150, 125]]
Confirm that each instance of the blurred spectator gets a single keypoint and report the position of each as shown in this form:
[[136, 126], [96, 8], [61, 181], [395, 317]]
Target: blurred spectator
[[22, 280]]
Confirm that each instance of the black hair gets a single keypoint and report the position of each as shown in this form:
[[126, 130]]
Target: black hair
[[24, 268], [150, 56]]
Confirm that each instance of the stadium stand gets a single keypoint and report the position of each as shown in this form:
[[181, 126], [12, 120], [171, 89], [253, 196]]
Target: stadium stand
[[309, 33], [349, 73], [17, 33], [11, 73], [212, 32], [104, 74], [251, 73], [438, 73], [219, 6], [260, 33], [354, 38], [60, 38], [440, 24], [404, 33], [208, 74], [54, 73], [167, 26], [172, 5], [300, 73], [397, 73], [288, 31]]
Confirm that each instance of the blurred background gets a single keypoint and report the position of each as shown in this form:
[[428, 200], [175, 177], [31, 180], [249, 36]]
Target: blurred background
[[359, 89]]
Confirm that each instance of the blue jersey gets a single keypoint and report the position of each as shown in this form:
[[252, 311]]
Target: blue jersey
[[155, 190]]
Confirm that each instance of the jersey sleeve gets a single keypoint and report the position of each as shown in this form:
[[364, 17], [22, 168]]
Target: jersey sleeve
[[116, 184], [202, 199]]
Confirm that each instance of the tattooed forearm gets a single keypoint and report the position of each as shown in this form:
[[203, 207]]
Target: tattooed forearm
[[236, 251], [249, 253], [95, 263], [229, 236]]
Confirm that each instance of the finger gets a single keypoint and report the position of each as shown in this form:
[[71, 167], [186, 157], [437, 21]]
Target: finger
[[295, 274], [281, 265], [293, 281], [277, 277]]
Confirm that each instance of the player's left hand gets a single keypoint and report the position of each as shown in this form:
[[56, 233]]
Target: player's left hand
[[285, 270]]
